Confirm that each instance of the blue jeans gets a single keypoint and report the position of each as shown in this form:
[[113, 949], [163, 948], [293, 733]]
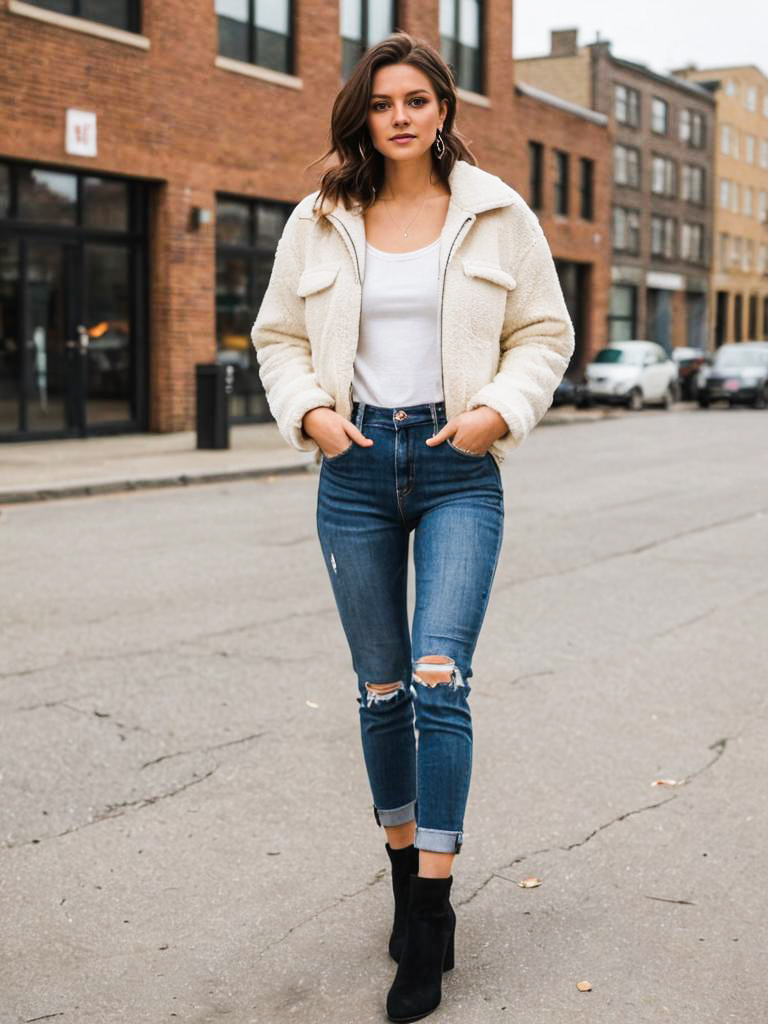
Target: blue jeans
[[369, 501]]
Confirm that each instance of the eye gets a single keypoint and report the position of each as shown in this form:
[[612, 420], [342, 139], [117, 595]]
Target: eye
[[421, 100]]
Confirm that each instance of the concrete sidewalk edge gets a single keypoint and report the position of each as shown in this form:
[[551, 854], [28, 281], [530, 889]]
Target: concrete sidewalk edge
[[89, 488]]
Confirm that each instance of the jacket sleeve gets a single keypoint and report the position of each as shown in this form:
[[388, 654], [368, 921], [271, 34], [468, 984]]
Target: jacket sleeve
[[282, 347], [537, 342]]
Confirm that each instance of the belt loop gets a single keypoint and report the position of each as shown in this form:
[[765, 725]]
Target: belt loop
[[360, 414], [433, 410]]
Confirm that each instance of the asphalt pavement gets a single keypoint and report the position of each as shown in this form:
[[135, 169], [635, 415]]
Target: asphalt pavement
[[185, 825]]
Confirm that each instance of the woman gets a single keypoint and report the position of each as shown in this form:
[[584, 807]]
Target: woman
[[412, 332]]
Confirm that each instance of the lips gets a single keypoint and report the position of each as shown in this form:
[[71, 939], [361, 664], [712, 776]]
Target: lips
[[395, 138]]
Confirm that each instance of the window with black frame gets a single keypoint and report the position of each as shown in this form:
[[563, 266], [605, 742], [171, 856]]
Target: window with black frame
[[247, 233], [125, 14], [257, 32], [361, 24], [536, 175], [461, 41]]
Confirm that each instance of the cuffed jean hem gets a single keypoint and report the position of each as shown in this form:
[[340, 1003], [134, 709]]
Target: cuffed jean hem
[[438, 841], [396, 816]]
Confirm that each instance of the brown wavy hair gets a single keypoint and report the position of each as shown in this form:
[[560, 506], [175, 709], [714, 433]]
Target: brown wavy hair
[[359, 171]]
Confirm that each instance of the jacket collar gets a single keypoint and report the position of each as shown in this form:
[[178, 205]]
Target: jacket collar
[[473, 191]]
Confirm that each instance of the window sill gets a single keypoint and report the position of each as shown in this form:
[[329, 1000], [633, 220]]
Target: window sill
[[473, 97], [241, 67], [89, 28]]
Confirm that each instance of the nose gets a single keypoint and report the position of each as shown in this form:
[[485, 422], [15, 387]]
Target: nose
[[400, 117]]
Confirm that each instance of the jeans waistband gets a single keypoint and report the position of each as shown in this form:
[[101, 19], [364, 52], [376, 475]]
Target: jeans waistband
[[398, 417]]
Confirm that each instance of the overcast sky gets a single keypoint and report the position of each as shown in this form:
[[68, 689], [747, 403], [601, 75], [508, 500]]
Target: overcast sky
[[663, 34]]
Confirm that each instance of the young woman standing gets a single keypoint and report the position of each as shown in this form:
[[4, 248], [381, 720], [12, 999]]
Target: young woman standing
[[412, 332]]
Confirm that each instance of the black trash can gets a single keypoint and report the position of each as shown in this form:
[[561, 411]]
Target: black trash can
[[214, 385]]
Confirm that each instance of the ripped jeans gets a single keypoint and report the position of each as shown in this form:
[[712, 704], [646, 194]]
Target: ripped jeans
[[417, 735]]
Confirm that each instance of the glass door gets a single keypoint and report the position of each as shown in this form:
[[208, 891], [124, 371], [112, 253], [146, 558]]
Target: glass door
[[77, 368], [50, 362]]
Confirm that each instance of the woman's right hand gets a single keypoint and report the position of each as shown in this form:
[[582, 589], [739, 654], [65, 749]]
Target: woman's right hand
[[331, 431]]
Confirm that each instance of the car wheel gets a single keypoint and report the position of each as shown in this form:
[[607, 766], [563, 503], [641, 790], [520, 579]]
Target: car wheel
[[635, 400], [703, 401], [583, 403], [761, 398], [668, 398]]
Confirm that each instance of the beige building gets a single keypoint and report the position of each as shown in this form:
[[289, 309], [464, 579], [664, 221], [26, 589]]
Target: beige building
[[739, 300]]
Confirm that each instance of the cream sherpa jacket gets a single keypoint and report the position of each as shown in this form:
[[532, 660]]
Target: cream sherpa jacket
[[506, 335]]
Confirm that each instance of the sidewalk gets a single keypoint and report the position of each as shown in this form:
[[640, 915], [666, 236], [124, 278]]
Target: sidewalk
[[40, 470]]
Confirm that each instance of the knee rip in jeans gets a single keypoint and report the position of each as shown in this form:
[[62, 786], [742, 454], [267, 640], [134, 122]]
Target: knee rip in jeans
[[378, 693], [437, 669]]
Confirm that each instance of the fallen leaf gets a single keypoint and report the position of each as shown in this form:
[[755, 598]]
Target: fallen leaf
[[529, 883], [311, 704], [584, 986], [665, 782]]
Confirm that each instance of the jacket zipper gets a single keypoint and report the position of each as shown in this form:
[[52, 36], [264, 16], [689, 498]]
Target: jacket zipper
[[359, 281], [442, 297]]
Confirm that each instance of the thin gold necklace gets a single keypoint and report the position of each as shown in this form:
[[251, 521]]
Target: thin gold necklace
[[405, 230]]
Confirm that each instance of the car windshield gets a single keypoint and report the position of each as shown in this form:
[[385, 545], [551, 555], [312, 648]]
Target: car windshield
[[626, 356], [736, 357]]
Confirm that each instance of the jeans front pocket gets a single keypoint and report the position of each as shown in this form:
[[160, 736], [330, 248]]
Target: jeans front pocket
[[467, 455], [339, 455]]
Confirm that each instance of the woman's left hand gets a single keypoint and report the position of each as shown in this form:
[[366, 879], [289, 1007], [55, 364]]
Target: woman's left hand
[[473, 431]]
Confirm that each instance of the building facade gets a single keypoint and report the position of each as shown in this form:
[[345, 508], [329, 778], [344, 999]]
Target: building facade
[[739, 294], [662, 186], [150, 154]]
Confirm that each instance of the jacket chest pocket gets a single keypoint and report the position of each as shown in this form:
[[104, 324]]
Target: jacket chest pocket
[[316, 280], [315, 287], [489, 287]]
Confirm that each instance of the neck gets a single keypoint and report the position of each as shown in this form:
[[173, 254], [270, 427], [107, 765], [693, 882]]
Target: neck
[[410, 180]]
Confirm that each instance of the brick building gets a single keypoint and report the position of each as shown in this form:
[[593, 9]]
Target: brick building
[[663, 134], [150, 153], [739, 298]]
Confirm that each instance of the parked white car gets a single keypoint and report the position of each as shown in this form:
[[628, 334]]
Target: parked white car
[[630, 373]]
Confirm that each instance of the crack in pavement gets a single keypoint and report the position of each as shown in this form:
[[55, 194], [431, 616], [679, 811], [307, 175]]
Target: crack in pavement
[[176, 646], [381, 873], [697, 618], [718, 746], [204, 750], [639, 549], [115, 811]]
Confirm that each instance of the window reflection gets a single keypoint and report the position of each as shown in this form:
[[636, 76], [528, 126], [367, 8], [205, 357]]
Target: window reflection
[[105, 203], [243, 268], [48, 197]]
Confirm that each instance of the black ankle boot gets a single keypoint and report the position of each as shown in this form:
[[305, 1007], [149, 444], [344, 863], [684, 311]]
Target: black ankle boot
[[428, 950], [405, 863]]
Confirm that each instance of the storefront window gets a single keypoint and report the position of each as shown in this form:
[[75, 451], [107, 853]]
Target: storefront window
[[5, 190], [105, 204], [47, 197], [247, 233], [621, 320]]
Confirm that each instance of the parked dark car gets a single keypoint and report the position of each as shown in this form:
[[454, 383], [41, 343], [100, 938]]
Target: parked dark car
[[739, 374], [565, 393], [689, 362]]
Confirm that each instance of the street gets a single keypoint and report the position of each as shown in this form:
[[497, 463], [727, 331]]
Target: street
[[185, 819]]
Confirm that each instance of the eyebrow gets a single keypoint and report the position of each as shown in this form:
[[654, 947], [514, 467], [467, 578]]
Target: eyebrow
[[383, 95]]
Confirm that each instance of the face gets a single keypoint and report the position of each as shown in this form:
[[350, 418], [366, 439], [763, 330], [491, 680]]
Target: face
[[403, 103]]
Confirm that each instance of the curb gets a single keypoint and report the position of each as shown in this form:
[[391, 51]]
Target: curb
[[96, 487]]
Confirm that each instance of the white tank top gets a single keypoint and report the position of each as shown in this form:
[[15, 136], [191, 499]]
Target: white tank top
[[398, 354]]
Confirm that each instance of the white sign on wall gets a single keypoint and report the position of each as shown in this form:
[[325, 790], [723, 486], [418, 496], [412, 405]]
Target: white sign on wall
[[81, 133]]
